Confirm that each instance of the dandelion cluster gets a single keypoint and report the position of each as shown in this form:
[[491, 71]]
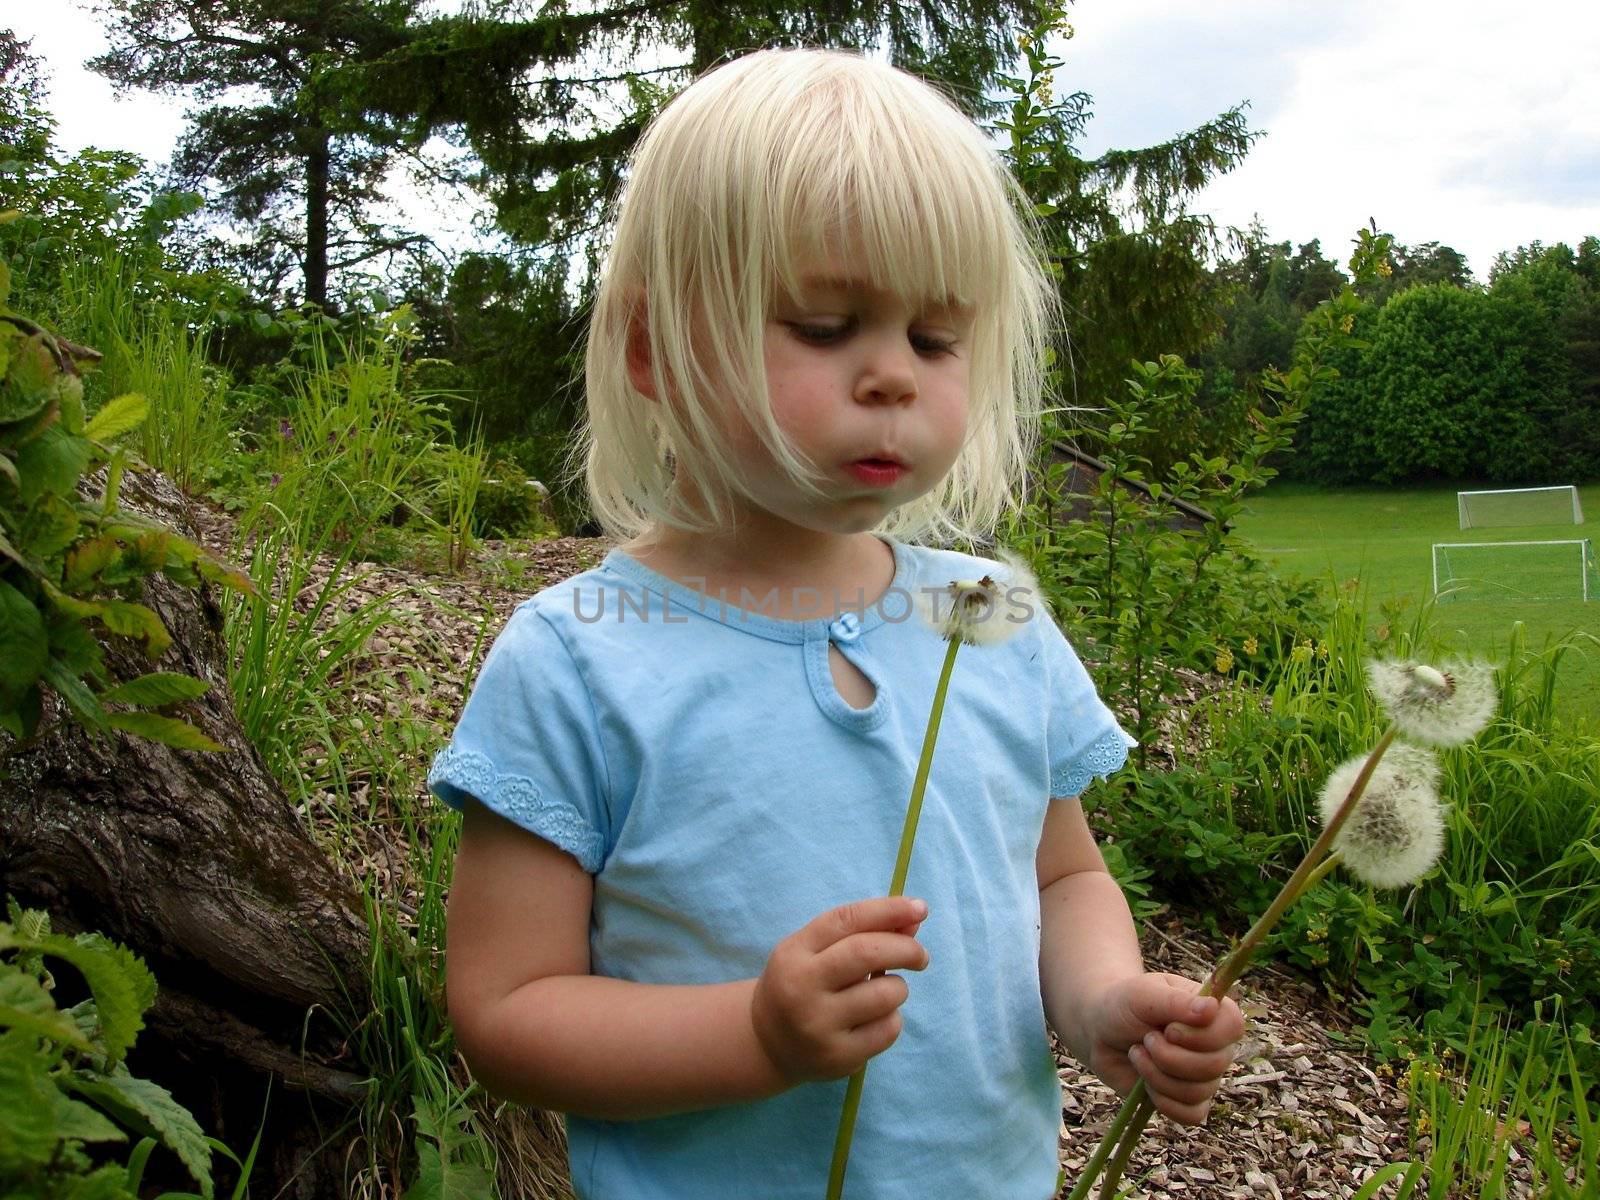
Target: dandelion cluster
[[1441, 706], [1396, 832]]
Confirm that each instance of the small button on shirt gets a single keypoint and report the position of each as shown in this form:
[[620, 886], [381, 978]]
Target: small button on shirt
[[847, 628]]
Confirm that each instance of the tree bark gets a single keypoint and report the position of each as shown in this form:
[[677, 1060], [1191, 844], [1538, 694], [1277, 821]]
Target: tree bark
[[199, 864], [317, 219]]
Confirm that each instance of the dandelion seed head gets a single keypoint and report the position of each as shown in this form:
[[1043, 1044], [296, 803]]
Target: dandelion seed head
[[1442, 707], [982, 612], [1396, 832]]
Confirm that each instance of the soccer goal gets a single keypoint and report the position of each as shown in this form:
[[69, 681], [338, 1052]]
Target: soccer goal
[[1554, 570], [1520, 506]]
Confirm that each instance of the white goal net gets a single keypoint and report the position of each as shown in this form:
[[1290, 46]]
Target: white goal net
[[1520, 506], [1554, 570]]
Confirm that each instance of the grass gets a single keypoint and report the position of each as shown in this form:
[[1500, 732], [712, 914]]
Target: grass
[[1383, 537]]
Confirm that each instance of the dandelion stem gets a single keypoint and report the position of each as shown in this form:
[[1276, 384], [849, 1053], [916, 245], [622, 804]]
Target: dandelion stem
[[908, 834], [897, 885], [1135, 1112]]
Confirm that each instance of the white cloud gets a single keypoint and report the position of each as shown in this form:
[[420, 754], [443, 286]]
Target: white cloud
[[1468, 123], [87, 111]]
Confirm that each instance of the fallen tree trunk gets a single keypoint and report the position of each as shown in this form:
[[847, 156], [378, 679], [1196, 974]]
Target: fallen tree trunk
[[199, 864]]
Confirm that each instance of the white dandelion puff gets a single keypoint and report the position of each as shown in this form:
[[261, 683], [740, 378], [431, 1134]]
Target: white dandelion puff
[[1396, 832], [1444, 706], [983, 612]]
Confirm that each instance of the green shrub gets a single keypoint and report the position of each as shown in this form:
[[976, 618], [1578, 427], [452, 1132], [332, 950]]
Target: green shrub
[[69, 563], [64, 1087], [509, 506]]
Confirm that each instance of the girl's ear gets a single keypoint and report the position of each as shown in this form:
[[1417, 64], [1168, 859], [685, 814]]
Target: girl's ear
[[640, 361]]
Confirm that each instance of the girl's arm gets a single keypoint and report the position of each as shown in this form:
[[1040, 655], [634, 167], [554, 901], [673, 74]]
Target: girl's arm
[[537, 1028], [1117, 1019]]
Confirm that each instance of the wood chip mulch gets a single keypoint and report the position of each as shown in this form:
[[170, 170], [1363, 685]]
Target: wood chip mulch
[[1302, 1114]]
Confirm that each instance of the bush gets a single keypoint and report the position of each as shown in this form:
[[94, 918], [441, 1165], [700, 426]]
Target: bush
[[510, 505], [64, 1086], [1450, 384]]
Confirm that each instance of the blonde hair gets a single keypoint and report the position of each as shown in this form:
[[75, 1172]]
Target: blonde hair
[[754, 172]]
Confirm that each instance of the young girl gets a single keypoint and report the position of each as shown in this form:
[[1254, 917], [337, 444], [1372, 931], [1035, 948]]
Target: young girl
[[817, 344]]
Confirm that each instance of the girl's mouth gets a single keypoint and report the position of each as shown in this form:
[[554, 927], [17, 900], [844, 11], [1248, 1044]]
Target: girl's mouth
[[880, 472]]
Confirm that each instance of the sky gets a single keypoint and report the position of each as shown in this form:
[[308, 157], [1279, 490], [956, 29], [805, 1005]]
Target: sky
[[1472, 124]]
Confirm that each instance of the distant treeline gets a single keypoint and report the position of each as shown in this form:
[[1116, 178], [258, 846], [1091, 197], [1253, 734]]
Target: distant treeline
[[1454, 379]]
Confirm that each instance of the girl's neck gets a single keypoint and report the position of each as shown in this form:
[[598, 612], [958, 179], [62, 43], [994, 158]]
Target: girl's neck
[[809, 573]]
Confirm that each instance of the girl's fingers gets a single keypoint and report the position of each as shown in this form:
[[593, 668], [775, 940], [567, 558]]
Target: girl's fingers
[[1180, 1062], [1184, 1100], [855, 958], [876, 1036], [869, 1000], [848, 920]]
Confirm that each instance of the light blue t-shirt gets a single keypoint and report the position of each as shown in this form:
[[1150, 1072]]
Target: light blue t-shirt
[[697, 759]]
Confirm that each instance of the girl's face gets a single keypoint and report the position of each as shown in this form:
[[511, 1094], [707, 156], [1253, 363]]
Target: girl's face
[[855, 375]]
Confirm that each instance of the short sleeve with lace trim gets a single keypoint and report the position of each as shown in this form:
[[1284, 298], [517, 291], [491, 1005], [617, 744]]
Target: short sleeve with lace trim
[[1083, 737], [526, 745]]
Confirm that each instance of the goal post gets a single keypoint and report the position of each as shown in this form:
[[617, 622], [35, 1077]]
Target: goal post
[[1561, 569], [1520, 506]]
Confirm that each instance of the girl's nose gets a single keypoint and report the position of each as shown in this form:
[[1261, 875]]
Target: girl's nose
[[888, 375]]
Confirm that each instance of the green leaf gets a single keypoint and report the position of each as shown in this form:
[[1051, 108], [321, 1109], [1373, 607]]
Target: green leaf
[[440, 1178], [224, 575], [76, 1120], [108, 1183], [48, 528], [52, 463], [71, 641], [120, 983], [167, 730], [24, 649], [27, 1108], [147, 1107], [442, 1173], [26, 1005], [156, 689], [135, 620], [69, 395], [118, 416], [114, 470], [29, 382], [79, 698], [87, 560]]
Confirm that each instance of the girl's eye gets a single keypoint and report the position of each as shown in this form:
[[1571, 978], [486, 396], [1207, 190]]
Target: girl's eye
[[932, 345], [819, 332]]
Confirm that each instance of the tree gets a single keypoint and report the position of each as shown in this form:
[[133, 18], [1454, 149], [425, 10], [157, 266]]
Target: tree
[[96, 204], [1424, 265], [1564, 286], [1131, 255], [266, 138], [1455, 384], [552, 103]]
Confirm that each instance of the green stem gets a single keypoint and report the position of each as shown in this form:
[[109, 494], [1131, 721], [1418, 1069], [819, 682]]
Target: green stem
[[1138, 1119], [908, 833], [897, 885], [1135, 1112], [1113, 1137]]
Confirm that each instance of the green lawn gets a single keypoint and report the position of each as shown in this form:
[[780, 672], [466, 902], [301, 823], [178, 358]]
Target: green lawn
[[1383, 537]]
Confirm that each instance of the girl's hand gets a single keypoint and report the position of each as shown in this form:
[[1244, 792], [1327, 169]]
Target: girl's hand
[[1152, 1026], [823, 1005]]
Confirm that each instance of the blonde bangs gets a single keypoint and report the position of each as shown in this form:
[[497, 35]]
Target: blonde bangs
[[774, 166]]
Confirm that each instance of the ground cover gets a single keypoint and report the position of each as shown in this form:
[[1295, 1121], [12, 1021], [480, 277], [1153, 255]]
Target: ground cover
[[1382, 537]]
